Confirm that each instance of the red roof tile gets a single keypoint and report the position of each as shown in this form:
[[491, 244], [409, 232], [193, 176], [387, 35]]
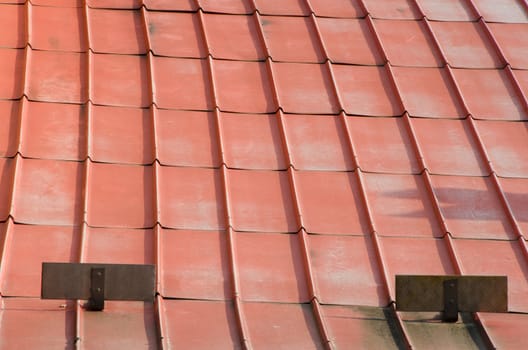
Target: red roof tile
[[233, 37], [279, 162], [57, 29], [186, 138]]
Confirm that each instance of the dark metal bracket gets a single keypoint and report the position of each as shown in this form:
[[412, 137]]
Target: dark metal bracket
[[98, 282], [450, 301], [97, 289], [451, 294]]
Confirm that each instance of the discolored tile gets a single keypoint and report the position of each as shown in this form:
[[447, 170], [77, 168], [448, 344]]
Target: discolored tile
[[238, 7], [48, 192], [7, 173], [292, 39], [349, 41], [194, 265], [261, 201], [291, 326], [29, 323], [366, 91], [121, 135], [136, 322], [127, 193], [383, 145], [304, 88], [191, 198], [365, 327], [11, 71], [234, 37], [30, 246], [53, 131], [428, 92], [449, 147], [194, 88], [471, 207], [513, 42], [502, 10], [119, 80], [282, 7], [186, 138], [317, 143], [392, 9], [337, 8], [502, 258], [506, 330], [346, 271], [466, 45], [414, 256], [57, 76], [506, 144], [118, 246], [243, 87], [12, 26], [188, 42], [490, 94], [516, 192], [252, 141], [184, 325], [419, 49], [177, 5], [271, 267], [114, 4], [401, 205], [447, 10], [58, 29], [330, 202], [128, 32], [10, 124]]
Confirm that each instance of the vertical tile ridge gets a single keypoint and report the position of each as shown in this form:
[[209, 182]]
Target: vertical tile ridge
[[155, 188], [6, 244], [238, 304], [489, 34], [375, 35], [419, 154], [87, 110], [351, 146], [256, 16], [435, 40], [29, 20], [518, 89], [320, 40], [309, 278], [458, 91], [474, 9], [159, 306], [508, 210]]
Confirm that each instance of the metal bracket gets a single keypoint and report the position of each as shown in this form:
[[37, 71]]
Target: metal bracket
[[98, 282], [450, 301], [97, 289], [451, 294]]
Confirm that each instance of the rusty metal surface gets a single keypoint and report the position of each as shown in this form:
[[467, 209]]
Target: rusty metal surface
[[475, 293], [122, 281]]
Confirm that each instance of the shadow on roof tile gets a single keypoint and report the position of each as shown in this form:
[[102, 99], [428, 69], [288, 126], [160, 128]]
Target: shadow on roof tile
[[10, 121], [12, 26], [11, 70]]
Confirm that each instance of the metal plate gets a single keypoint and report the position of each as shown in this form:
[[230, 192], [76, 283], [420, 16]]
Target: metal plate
[[475, 293], [122, 282]]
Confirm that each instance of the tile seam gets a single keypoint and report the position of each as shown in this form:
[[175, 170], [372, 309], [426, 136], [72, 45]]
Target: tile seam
[[302, 241], [157, 310], [241, 320]]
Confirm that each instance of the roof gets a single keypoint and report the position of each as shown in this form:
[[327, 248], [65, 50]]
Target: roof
[[278, 161]]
